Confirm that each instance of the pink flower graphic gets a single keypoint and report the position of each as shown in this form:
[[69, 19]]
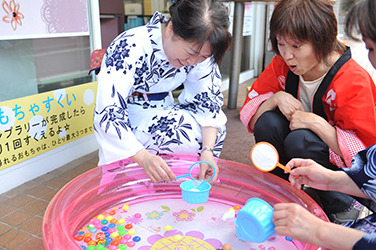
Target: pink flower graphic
[[13, 16], [190, 240], [133, 220]]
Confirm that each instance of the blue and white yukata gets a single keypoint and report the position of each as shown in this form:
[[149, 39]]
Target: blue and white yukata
[[125, 123], [363, 173]]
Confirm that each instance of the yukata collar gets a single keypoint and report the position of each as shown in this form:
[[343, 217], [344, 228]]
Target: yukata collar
[[154, 28]]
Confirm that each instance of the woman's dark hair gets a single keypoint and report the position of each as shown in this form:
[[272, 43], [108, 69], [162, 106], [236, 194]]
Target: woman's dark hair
[[200, 21], [311, 21], [362, 19]]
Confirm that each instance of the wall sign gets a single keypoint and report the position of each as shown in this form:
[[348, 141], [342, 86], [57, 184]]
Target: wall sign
[[33, 125]]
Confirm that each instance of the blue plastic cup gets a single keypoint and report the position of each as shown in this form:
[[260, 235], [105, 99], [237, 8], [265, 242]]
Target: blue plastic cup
[[195, 194], [254, 221]]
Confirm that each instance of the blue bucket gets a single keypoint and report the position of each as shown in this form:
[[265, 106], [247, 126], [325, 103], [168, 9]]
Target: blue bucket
[[254, 221], [196, 194]]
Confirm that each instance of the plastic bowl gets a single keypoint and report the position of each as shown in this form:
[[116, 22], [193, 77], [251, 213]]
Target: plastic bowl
[[254, 221], [195, 195]]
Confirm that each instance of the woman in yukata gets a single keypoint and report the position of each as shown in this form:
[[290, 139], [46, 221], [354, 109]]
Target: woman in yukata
[[135, 114], [313, 100], [359, 180]]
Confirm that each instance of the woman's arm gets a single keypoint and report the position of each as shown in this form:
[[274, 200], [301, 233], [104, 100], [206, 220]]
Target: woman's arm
[[308, 172], [209, 136], [294, 221], [154, 166], [202, 92], [319, 126], [270, 82], [282, 100]]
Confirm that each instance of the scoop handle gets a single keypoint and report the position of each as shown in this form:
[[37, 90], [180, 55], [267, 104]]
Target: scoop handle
[[283, 167], [182, 176]]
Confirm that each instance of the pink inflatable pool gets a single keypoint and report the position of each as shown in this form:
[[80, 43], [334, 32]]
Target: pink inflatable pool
[[158, 205]]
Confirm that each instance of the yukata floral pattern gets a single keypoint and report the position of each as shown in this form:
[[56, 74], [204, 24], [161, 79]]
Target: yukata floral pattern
[[363, 173], [124, 124]]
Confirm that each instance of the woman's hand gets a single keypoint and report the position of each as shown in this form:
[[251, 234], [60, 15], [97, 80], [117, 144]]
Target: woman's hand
[[305, 120], [294, 221], [154, 166], [209, 135], [206, 171], [308, 172], [282, 100], [318, 125], [287, 104]]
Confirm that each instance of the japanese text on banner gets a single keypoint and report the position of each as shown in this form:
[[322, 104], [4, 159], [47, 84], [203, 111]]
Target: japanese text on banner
[[35, 124]]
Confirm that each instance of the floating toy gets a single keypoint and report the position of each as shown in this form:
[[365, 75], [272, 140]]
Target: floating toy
[[230, 214], [101, 238]]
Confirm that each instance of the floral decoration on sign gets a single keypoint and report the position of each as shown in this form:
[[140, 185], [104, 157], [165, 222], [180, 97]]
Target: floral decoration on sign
[[13, 16]]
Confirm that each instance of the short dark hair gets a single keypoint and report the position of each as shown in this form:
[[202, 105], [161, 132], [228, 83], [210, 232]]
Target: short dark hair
[[311, 21], [362, 19], [200, 21]]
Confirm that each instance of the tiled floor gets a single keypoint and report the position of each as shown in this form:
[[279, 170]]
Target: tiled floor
[[22, 208]]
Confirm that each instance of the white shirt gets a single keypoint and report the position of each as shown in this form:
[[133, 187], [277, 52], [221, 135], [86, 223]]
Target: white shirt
[[307, 90]]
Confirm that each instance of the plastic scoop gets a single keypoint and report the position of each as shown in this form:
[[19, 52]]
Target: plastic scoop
[[195, 182], [265, 157], [195, 191]]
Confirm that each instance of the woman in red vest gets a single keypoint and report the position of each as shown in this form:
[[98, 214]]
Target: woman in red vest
[[313, 100], [295, 221]]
